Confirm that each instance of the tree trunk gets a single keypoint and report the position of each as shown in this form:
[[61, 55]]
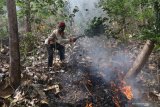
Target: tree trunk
[[147, 49], [15, 73], [141, 59], [28, 16]]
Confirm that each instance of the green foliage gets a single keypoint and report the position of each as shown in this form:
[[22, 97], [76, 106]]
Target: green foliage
[[152, 31], [116, 8], [27, 44], [157, 47], [2, 5], [149, 34], [96, 27], [43, 15], [76, 9], [3, 32], [121, 15], [3, 27], [129, 8], [141, 12], [3, 19], [42, 8]]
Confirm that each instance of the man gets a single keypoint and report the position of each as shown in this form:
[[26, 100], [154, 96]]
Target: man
[[56, 40]]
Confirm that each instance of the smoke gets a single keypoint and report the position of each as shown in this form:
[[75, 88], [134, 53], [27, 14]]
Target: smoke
[[104, 54], [87, 10], [104, 58]]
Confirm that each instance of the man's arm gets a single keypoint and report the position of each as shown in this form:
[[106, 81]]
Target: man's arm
[[69, 40], [52, 38]]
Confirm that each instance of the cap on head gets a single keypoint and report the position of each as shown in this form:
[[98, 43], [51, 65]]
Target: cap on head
[[61, 24]]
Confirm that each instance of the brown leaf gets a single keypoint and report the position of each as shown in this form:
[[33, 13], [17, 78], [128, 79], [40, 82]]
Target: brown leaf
[[55, 88], [152, 66]]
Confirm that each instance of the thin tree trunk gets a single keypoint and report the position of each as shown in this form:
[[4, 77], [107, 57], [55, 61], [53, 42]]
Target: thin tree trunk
[[15, 73], [141, 59], [28, 16]]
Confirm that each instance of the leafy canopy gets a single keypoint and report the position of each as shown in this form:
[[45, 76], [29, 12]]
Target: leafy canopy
[[139, 11]]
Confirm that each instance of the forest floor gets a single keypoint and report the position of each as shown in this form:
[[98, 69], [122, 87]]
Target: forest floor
[[92, 77]]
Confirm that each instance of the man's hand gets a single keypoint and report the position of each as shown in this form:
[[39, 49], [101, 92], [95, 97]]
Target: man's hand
[[51, 40], [75, 38]]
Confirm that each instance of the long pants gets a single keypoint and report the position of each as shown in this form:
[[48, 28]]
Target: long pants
[[61, 52]]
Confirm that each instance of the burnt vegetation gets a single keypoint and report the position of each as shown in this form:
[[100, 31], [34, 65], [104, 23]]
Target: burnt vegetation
[[102, 69]]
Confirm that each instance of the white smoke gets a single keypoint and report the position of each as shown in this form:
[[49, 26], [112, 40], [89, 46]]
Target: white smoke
[[104, 57], [88, 9], [96, 47]]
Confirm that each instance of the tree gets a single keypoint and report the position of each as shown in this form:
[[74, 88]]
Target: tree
[[141, 59], [15, 73], [36, 18], [121, 14], [28, 16], [147, 19], [96, 27], [148, 47], [36, 11]]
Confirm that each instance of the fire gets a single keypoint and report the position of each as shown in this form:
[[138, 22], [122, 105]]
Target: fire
[[127, 90], [120, 87], [89, 105]]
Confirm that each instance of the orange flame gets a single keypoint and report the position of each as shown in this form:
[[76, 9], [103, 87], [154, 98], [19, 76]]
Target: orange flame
[[89, 105], [128, 92]]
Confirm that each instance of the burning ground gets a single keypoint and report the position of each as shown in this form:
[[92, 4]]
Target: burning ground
[[92, 77]]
